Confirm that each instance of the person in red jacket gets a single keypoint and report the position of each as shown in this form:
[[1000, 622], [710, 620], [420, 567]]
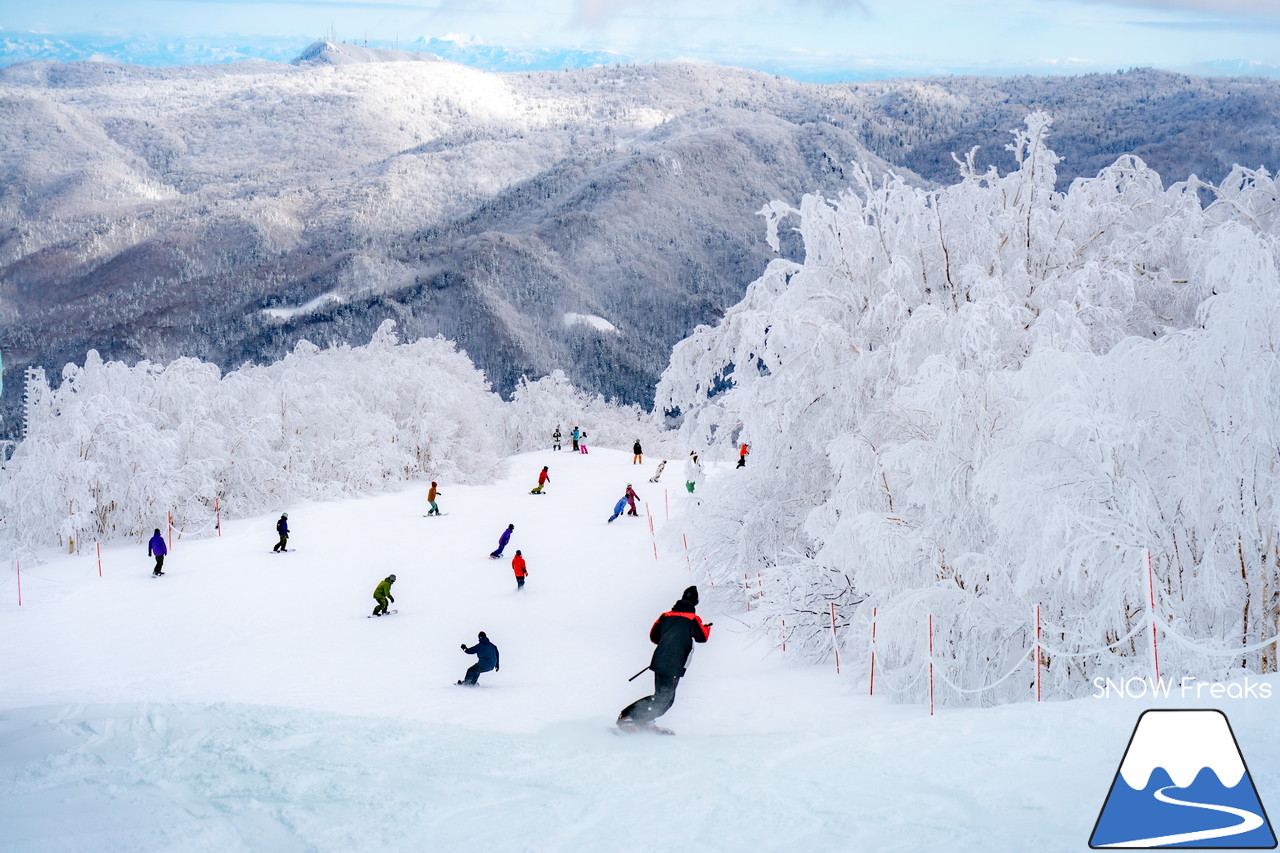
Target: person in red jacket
[[517, 566], [674, 634], [543, 479], [742, 455]]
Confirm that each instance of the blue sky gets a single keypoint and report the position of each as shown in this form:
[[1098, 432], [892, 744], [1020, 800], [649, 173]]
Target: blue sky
[[868, 37]]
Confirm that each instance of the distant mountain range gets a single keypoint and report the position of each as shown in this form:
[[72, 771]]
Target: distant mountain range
[[226, 211]]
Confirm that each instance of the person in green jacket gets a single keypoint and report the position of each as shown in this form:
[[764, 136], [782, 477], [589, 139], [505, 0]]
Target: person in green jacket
[[383, 595]]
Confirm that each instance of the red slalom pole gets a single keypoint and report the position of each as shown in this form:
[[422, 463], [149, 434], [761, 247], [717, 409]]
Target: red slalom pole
[[217, 508], [760, 583], [99, 546], [871, 691], [834, 644], [169, 531], [784, 635], [1151, 588], [746, 585], [930, 664], [1038, 657]]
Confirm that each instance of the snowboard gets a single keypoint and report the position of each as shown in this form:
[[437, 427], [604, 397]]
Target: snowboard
[[537, 493], [285, 551], [641, 730], [437, 515], [157, 576], [388, 613]]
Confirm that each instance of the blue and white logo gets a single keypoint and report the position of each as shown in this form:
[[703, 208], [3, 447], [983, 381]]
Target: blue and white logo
[[1183, 783]]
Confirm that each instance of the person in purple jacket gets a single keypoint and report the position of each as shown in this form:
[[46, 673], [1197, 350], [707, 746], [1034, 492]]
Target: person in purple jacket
[[158, 549], [502, 541]]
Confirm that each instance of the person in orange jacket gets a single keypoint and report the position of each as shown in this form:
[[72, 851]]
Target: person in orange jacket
[[518, 566], [742, 455]]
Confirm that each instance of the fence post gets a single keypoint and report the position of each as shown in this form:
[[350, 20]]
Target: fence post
[[19, 562], [217, 508], [99, 547], [784, 635], [1151, 588], [746, 587], [871, 690], [930, 664], [1038, 654], [835, 645], [169, 530]]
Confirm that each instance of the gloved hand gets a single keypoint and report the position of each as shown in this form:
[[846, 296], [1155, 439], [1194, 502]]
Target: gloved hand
[[463, 647], [392, 600], [708, 624], [496, 668]]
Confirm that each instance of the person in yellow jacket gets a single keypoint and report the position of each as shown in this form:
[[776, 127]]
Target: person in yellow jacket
[[383, 595]]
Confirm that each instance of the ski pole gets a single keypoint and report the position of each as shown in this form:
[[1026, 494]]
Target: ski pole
[[638, 674]]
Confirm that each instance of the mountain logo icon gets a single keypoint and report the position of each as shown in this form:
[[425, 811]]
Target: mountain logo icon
[[1183, 783]]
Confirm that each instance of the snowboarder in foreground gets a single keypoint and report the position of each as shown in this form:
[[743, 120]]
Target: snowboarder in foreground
[[619, 507], [502, 542], [657, 475], [637, 455], [431, 499], [518, 566], [486, 659], [555, 438], [282, 527], [543, 479], [674, 634], [632, 497], [383, 595], [158, 549]]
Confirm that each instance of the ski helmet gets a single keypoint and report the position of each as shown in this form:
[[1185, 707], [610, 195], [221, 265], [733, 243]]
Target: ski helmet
[[391, 578]]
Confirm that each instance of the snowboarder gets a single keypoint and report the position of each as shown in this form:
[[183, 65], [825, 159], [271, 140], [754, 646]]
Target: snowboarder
[[576, 435], [543, 479], [742, 455], [657, 475], [555, 438], [502, 541], [692, 469], [486, 659], [432, 493], [383, 595], [619, 507], [518, 566], [637, 455], [282, 527], [674, 634], [158, 549], [631, 497]]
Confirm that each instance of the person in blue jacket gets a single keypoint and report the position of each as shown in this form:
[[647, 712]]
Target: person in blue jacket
[[157, 548], [619, 507], [502, 542], [486, 659], [282, 527]]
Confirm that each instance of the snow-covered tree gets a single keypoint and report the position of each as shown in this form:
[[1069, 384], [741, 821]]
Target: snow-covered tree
[[977, 400]]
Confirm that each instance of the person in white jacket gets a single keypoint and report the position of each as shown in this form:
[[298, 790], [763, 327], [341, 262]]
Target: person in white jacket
[[692, 469]]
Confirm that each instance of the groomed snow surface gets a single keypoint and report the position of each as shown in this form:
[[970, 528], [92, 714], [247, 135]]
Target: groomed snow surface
[[244, 702]]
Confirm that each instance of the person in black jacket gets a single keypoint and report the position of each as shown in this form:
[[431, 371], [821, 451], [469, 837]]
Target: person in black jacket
[[674, 633], [486, 659]]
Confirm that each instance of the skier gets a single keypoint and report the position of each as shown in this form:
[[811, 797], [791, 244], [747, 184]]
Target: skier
[[576, 434], [486, 659], [383, 595], [674, 634], [657, 475], [582, 445], [631, 497], [157, 548], [637, 455], [502, 541], [555, 438], [742, 455], [543, 479], [282, 527], [431, 499], [517, 566], [618, 508], [691, 470]]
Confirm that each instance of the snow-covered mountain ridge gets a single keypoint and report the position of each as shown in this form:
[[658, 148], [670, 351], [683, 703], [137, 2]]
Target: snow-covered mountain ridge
[[227, 211]]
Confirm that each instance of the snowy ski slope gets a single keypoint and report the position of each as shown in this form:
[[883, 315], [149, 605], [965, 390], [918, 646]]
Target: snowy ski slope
[[244, 702]]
